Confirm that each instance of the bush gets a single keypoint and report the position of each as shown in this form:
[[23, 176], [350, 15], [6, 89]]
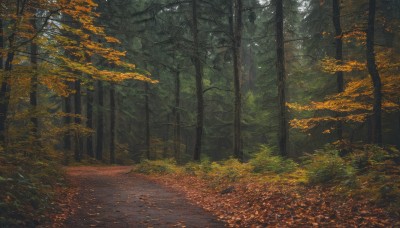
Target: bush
[[229, 171], [264, 162], [218, 173], [378, 170], [198, 169], [326, 166], [157, 166], [372, 157], [365, 170], [26, 189]]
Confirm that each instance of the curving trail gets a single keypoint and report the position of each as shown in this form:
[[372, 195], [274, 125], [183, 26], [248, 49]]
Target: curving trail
[[113, 197]]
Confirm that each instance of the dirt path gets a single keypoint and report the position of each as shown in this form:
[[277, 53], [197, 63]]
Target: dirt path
[[110, 197]]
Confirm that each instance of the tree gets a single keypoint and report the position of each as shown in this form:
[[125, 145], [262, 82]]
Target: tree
[[89, 119], [177, 115], [67, 119], [283, 135], [3, 111], [5, 87], [374, 74], [237, 68], [77, 120], [57, 49], [1, 43], [199, 82], [338, 55], [147, 119], [100, 124], [112, 123], [34, 83]]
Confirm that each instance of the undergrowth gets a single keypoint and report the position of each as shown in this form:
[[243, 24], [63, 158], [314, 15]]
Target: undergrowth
[[366, 171], [265, 162], [158, 167], [27, 187], [363, 171]]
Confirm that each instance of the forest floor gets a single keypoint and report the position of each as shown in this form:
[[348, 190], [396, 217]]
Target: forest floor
[[118, 197], [114, 197]]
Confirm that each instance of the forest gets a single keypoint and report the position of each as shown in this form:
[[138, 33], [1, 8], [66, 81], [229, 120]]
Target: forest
[[252, 113]]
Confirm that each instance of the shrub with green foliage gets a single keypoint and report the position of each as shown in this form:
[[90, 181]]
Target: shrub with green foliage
[[265, 162], [198, 169], [156, 166], [372, 157], [367, 170], [219, 173], [229, 170], [378, 174], [26, 189], [326, 166]]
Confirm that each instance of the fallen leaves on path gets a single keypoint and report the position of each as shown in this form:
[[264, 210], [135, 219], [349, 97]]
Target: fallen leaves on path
[[256, 204], [113, 197]]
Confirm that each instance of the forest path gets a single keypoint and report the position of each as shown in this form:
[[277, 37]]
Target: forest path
[[113, 197]]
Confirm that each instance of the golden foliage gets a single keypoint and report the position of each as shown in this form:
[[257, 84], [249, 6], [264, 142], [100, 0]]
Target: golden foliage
[[331, 65], [354, 104], [66, 47], [355, 36]]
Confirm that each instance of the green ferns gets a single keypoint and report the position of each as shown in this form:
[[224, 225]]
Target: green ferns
[[326, 166], [265, 162]]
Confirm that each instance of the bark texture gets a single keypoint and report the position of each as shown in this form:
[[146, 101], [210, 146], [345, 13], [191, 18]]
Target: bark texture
[[237, 65], [112, 124], [199, 82], [338, 57], [1, 43], [374, 74], [177, 115], [100, 125], [283, 135], [67, 120], [89, 121], [78, 120], [34, 86], [147, 116]]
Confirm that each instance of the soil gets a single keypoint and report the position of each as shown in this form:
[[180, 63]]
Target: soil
[[115, 197]]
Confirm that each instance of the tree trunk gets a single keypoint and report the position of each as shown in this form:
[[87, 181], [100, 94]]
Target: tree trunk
[[5, 88], [1, 43], [147, 116], [338, 57], [5, 91], [177, 115], [252, 69], [100, 126], [78, 120], [373, 72], [237, 65], [370, 133], [398, 130], [33, 87], [89, 123], [2, 95], [283, 135], [199, 83], [112, 123], [67, 120], [166, 138]]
